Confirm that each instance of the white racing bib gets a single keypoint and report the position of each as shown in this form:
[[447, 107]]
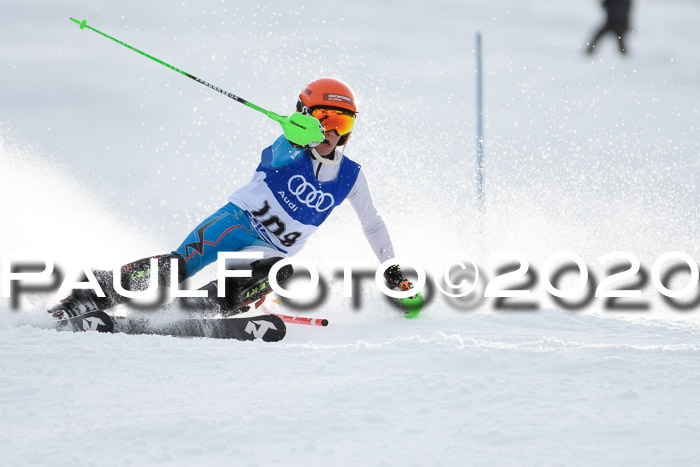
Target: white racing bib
[[286, 204]]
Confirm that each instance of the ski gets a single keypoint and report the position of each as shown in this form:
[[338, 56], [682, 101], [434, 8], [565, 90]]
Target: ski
[[91, 321], [269, 328]]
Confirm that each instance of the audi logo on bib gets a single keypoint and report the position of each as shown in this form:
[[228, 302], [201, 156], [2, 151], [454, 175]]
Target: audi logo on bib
[[308, 195]]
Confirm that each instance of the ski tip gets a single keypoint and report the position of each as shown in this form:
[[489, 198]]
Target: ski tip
[[276, 332]]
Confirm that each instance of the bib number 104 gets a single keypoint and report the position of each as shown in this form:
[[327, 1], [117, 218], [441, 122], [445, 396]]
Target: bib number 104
[[276, 226]]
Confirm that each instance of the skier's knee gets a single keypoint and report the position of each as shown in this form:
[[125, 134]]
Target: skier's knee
[[243, 291], [263, 266]]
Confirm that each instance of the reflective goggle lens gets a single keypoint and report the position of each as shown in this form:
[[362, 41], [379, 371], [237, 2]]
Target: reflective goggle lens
[[337, 120]]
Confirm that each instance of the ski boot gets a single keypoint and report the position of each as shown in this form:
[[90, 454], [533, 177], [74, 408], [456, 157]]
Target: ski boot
[[134, 277], [78, 303], [241, 293]]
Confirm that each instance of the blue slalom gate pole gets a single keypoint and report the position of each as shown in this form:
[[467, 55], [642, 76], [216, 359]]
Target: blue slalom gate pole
[[479, 126]]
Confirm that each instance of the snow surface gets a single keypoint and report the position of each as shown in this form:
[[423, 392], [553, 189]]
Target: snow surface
[[106, 157]]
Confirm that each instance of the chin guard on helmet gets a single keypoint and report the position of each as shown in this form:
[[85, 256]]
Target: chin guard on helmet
[[337, 155]]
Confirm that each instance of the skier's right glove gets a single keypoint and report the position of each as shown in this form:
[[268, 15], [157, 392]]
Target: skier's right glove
[[396, 280]]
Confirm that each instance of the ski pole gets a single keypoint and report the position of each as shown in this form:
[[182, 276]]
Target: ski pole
[[300, 129], [300, 319], [303, 320]]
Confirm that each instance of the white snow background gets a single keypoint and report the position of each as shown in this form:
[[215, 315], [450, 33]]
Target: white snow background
[[106, 157]]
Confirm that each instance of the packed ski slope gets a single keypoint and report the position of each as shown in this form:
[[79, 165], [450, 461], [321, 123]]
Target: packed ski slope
[[106, 157], [540, 389]]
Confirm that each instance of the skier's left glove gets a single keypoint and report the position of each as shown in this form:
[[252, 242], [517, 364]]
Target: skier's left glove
[[312, 144], [396, 280]]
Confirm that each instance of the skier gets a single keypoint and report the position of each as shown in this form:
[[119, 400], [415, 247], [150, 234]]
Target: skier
[[617, 22], [292, 192]]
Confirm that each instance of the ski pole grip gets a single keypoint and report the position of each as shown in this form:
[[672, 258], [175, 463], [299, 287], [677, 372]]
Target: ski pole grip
[[82, 23]]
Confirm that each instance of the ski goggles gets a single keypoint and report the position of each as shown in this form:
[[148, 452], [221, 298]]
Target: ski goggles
[[333, 119]]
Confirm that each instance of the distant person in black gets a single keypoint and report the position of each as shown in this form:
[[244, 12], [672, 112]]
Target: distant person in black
[[617, 21]]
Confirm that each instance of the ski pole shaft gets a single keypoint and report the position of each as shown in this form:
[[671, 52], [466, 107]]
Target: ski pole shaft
[[304, 130], [83, 25], [301, 320]]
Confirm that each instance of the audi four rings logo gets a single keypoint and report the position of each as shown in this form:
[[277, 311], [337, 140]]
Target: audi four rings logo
[[307, 194]]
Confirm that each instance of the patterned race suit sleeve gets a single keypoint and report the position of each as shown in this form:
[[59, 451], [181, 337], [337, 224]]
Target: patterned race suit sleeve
[[372, 224]]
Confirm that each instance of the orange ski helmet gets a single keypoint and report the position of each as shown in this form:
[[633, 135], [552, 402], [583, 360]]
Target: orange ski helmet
[[333, 103], [327, 93]]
